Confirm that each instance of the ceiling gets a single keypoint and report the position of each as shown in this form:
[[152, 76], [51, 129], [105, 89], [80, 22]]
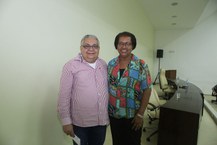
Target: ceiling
[[174, 14]]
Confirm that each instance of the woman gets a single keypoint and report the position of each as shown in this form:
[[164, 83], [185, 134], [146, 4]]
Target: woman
[[129, 92]]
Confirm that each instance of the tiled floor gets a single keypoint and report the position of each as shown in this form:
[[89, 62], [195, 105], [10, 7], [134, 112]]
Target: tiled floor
[[206, 136], [211, 107]]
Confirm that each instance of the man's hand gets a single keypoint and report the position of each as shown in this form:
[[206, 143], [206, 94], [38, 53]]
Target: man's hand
[[68, 130]]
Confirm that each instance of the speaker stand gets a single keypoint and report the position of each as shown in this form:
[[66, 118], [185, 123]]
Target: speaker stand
[[157, 76]]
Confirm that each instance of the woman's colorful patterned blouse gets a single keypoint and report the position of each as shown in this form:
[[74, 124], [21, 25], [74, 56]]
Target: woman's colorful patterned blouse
[[125, 92]]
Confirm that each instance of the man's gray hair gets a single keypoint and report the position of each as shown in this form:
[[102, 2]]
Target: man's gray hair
[[89, 36]]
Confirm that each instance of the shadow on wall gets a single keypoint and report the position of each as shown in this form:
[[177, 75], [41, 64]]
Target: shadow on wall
[[44, 127], [51, 130], [1, 140]]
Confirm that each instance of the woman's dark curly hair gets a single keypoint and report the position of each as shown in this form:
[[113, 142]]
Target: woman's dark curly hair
[[128, 34]]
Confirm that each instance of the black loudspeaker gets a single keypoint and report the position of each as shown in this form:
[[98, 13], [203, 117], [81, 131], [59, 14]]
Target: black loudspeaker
[[160, 53]]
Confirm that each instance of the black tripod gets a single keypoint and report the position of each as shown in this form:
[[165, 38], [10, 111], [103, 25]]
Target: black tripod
[[159, 55], [158, 72]]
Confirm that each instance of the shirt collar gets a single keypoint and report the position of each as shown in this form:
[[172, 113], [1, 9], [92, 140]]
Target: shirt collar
[[133, 58]]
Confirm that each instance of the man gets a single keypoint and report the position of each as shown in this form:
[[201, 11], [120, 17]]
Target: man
[[83, 96]]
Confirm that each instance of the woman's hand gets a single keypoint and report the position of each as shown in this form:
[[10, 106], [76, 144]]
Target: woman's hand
[[137, 122]]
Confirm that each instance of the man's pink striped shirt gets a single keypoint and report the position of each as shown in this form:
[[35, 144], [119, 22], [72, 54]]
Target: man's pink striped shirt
[[83, 96]]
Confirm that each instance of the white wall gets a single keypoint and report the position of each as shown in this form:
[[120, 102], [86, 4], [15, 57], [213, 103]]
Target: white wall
[[193, 52], [36, 38]]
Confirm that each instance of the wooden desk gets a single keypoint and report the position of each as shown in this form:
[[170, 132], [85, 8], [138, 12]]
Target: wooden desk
[[170, 74], [180, 118]]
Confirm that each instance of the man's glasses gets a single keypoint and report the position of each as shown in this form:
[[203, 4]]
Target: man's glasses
[[95, 47], [127, 44]]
